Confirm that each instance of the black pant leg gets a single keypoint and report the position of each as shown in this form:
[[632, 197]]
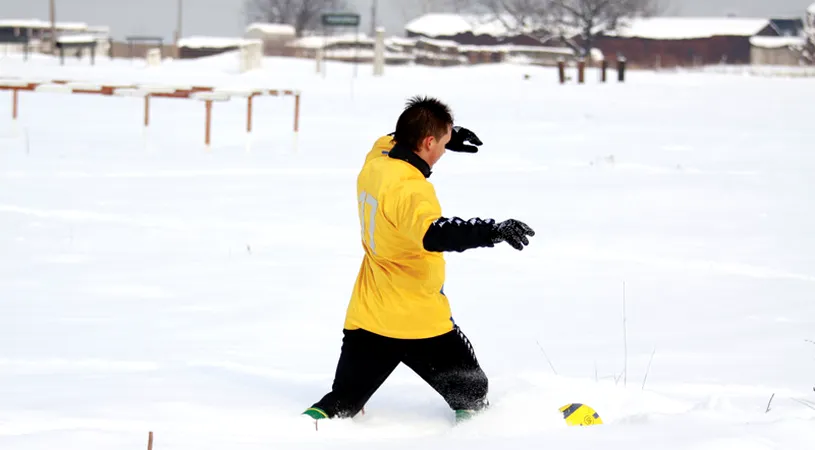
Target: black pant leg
[[449, 365], [366, 360]]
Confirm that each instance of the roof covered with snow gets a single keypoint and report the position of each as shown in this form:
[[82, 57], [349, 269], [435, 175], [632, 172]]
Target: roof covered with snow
[[314, 42], [439, 25], [449, 24], [272, 28], [38, 24], [777, 41], [77, 39], [213, 42], [398, 40], [517, 49], [689, 28]]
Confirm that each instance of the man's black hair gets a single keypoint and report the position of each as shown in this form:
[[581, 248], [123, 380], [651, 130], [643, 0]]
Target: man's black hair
[[422, 117]]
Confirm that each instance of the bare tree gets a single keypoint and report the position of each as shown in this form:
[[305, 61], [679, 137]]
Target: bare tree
[[567, 19], [809, 48], [593, 17], [520, 16], [456, 5], [303, 15]]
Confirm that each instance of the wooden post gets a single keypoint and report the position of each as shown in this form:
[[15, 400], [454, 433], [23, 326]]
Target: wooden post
[[209, 122], [561, 66], [249, 114], [150, 441], [581, 71], [621, 70], [14, 100], [604, 71], [296, 112], [146, 110], [61, 56]]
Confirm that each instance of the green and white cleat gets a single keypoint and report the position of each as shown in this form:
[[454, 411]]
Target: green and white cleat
[[463, 415], [314, 415]]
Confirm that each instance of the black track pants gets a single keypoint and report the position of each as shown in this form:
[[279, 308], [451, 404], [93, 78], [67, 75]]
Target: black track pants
[[446, 362]]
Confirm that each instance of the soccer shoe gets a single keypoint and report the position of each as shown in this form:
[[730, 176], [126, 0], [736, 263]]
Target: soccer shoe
[[463, 415], [315, 413]]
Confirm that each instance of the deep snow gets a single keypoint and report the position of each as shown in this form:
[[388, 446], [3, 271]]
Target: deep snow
[[149, 285]]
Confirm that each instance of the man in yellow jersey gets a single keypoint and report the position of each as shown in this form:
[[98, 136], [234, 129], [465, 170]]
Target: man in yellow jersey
[[398, 312]]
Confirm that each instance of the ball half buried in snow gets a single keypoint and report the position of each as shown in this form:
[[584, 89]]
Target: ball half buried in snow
[[580, 415]]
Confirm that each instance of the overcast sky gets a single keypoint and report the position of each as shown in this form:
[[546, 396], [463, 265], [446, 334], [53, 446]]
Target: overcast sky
[[226, 17]]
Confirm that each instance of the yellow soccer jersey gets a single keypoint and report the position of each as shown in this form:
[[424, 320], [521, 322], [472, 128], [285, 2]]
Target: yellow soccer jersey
[[398, 292]]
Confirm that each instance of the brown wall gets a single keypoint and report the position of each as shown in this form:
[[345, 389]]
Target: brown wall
[[784, 56], [186, 52], [467, 38], [122, 50], [677, 53]]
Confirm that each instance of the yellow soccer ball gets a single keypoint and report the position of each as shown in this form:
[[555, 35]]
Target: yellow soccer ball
[[579, 415]]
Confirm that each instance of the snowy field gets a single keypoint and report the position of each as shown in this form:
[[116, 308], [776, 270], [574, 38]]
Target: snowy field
[[147, 284]]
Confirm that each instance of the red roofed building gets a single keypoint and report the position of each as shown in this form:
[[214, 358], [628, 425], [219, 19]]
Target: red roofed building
[[481, 39], [682, 42]]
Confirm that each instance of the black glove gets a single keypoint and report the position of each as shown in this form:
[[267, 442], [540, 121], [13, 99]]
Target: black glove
[[513, 232], [460, 136]]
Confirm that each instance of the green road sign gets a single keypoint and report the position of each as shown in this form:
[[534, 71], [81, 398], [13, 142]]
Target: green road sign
[[341, 20]]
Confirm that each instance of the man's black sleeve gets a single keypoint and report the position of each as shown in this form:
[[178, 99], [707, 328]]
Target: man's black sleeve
[[457, 235]]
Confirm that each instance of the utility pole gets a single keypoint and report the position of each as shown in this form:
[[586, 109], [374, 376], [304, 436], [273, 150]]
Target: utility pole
[[179, 21], [373, 17], [53, 16]]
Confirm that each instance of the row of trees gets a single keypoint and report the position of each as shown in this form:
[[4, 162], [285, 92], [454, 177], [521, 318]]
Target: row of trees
[[303, 15], [541, 18], [548, 18]]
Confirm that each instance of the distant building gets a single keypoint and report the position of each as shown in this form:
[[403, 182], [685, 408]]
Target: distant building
[[447, 39], [275, 37], [470, 30], [15, 33], [352, 48], [201, 46], [777, 50], [681, 42], [789, 27]]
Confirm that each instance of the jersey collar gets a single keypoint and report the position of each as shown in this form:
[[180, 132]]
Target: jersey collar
[[409, 156]]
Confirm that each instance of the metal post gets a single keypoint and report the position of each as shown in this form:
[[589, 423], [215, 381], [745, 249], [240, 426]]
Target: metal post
[[561, 65], [621, 69], [249, 114], [581, 71], [146, 110], [296, 112], [14, 98], [209, 121]]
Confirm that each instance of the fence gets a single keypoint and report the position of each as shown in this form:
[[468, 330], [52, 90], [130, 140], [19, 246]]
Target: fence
[[581, 70], [207, 94]]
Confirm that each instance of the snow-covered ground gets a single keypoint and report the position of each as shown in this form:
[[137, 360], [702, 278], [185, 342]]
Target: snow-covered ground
[[149, 285]]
